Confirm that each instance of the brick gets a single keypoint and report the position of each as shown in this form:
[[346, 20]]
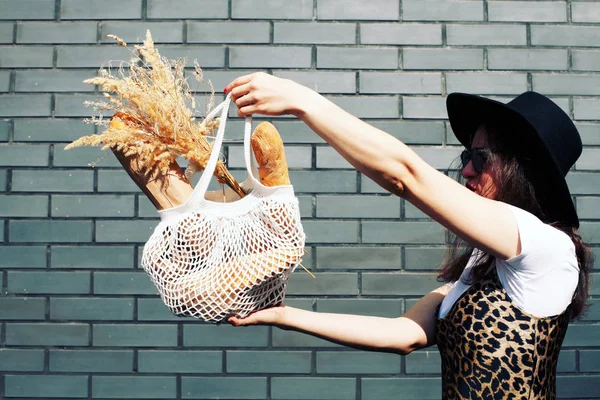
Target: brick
[[187, 9], [567, 361], [47, 334], [242, 388], [23, 308], [154, 310], [322, 81], [271, 9], [422, 388], [593, 311], [440, 158], [442, 59], [423, 362], [352, 362], [228, 32], [331, 231], [306, 206], [324, 181], [27, 9], [577, 387], [73, 105], [565, 35], [401, 34], [367, 258], [388, 308], [268, 362], [90, 56], [587, 207], [369, 106], [394, 283], [101, 9], [491, 35], [583, 60], [124, 231], [207, 56], [590, 133], [343, 10], [590, 231], [564, 84], [50, 130], [135, 32], [358, 207], [84, 157], [527, 59], [412, 212], [357, 58], [586, 109], [180, 361], [91, 309], [25, 105], [46, 282], [56, 32], [588, 160], [5, 81], [25, 56], [412, 132], [136, 283], [139, 335], [287, 338], [582, 335], [428, 258], [23, 206], [21, 360], [3, 180], [224, 336], [402, 232], [525, 11], [424, 107], [400, 82], [22, 257], [50, 231], [5, 132], [6, 32], [314, 33], [52, 81], [52, 181], [130, 387], [92, 206], [116, 181], [310, 388], [92, 257], [436, 10], [270, 57], [486, 83], [583, 183], [20, 155], [325, 283], [46, 385], [588, 12], [589, 360], [91, 360]]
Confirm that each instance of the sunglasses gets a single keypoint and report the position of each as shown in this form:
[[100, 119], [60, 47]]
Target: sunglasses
[[479, 156]]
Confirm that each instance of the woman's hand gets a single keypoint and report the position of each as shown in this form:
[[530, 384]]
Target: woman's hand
[[268, 316], [260, 93]]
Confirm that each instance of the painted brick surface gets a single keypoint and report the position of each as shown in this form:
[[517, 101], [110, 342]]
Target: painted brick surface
[[80, 319]]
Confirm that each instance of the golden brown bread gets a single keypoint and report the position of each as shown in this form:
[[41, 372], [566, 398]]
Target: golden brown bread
[[270, 155]]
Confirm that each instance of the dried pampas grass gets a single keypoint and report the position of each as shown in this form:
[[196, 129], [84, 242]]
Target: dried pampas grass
[[152, 95]]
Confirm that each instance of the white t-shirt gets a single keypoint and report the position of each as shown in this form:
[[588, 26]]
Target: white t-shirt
[[541, 280]]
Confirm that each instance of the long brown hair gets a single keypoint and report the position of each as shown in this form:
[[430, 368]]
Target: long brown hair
[[514, 177]]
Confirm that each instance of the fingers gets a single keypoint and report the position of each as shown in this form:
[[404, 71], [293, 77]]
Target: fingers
[[238, 82]]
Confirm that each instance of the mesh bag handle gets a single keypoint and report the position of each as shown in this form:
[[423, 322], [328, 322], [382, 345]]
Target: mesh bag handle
[[202, 186]]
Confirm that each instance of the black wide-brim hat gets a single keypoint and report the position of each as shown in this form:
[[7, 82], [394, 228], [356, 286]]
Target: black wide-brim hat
[[535, 129]]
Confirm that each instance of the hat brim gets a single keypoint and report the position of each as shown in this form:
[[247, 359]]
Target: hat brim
[[466, 112]]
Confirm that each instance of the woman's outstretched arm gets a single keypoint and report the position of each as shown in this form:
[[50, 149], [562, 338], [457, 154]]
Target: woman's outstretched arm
[[413, 330], [483, 223]]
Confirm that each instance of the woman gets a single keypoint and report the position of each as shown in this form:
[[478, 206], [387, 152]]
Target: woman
[[518, 270]]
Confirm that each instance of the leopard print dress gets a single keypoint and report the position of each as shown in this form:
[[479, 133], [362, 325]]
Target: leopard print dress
[[490, 349]]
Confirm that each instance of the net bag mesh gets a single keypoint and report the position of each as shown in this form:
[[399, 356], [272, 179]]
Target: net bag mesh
[[218, 255]]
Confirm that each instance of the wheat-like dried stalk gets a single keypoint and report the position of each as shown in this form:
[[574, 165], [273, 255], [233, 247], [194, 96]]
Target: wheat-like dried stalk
[[152, 94]]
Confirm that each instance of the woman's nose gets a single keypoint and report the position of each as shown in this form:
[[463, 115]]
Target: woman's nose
[[468, 171]]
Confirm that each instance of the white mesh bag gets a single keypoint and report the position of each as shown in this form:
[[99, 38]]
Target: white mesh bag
[[218, 255]]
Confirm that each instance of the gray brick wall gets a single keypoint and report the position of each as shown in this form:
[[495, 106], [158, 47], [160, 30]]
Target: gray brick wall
[[79, 319]]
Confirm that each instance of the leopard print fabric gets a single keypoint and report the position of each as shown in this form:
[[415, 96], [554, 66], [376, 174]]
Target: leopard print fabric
[[490, 349]]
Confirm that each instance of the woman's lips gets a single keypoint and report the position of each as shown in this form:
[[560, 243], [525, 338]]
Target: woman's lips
[[471, 186]]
